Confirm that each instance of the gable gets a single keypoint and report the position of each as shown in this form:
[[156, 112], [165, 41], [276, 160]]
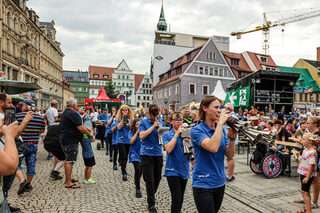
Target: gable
[[123, 65], [211, 54]]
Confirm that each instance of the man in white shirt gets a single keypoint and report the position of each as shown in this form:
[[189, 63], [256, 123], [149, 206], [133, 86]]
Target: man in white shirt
[[52, 113]]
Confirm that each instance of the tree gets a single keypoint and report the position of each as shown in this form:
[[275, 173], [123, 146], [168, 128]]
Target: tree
[[110, 90]]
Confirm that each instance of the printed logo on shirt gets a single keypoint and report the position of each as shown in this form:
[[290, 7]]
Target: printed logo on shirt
[[203, 176]]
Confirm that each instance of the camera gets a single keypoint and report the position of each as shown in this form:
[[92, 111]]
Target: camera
[[125, 121]]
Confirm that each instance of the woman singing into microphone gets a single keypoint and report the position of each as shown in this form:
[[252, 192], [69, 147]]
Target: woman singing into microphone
[[177, 169], [210, 143]]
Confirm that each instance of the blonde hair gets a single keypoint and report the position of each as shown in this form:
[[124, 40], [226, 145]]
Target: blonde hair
[[119, 113], [311, 137], [315, 120], [196, 112]]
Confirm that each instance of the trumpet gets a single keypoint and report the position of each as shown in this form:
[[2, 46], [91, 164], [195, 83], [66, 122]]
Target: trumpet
[[160, 131]]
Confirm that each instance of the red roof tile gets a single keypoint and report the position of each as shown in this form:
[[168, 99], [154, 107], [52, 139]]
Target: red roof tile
[[101, 71], [137, 81], [243, 65], [258, 63]]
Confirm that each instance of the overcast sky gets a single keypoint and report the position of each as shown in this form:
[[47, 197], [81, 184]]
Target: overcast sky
[[103, 32]]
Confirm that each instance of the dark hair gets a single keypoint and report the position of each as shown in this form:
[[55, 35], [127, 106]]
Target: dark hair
[[206, 101], [177, 114], [154, 109], [133, 125], [278, 122], [3, 97], [270, 123]]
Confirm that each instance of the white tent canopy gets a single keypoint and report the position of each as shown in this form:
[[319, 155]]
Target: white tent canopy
[[219, 91]]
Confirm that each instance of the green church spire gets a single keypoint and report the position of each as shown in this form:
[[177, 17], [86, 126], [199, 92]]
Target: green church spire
[[162, 24]]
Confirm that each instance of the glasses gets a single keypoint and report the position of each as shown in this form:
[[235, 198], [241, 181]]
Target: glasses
[[177, 120]]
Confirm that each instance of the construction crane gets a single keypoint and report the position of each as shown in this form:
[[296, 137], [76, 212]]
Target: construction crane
[[266, 25]]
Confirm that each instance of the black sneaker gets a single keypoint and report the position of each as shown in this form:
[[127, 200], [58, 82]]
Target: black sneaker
[[13, 209], [22, 187], [138, 194], [124, 178], [153, 209], [55, 175], [28, 188]]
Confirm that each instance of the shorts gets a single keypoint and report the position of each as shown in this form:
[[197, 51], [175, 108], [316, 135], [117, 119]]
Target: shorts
[[89, 162], [306, 187], [71, 152], [56, 151], [30, 155]]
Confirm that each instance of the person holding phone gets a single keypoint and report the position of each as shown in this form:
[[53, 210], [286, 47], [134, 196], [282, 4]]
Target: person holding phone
[[211, 143], [151, 153], [108, 133]]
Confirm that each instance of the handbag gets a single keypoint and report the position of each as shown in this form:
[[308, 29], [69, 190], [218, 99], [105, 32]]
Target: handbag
[[5, 207], [21, 147]]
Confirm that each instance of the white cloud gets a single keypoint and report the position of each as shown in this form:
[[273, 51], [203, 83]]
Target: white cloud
[[103, 32]]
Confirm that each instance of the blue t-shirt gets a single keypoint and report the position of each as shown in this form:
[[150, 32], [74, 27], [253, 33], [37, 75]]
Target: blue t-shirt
[[177, 164], [103, 117], [208, 169], [87, 121], [108, 129], [123, 134], [134, 152], [150, 145], [115, 133]]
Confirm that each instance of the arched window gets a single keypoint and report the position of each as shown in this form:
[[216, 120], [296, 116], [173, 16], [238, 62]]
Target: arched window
[[8, 19], [15, 24]]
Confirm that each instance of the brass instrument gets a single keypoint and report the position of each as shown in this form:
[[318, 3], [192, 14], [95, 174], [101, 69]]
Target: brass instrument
[[160, 131]]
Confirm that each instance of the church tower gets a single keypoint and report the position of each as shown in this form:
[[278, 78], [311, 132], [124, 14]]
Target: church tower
[[162, 24]]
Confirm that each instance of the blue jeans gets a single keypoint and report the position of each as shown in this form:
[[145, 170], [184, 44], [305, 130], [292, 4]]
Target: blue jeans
[[30, 155]]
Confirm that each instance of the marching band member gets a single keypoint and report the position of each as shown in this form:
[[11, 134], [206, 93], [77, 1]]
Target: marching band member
[[210, 143]]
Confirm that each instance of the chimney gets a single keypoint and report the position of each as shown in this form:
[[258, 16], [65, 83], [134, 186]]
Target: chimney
[[318, 53]]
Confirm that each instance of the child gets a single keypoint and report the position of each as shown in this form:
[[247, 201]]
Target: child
[[88, 158], [134, 154], [307, 169]]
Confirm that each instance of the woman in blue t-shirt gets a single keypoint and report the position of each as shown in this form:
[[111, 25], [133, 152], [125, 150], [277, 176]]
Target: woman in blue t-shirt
[[177, 169], [115, 148], [210, 143], [134, 154], [125, 116]]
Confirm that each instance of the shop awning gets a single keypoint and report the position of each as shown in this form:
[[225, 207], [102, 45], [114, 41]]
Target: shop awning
[[16, 87]]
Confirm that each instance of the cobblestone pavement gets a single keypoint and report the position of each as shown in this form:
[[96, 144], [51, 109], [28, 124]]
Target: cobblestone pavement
[[249, 193]]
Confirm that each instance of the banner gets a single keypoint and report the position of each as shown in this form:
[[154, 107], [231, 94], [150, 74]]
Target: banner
[[239, 97]]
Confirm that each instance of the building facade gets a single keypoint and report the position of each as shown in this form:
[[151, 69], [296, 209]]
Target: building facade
[[98, 77], [67, 92], [168, 46], [79, 83], [192, 76], [123, 79], [143, 90], [24, 43]]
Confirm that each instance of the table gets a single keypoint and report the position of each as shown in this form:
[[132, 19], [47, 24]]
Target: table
[[289, 145]]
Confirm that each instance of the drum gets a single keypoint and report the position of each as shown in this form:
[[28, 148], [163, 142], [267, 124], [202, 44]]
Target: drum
[[256, 168], [271, 166]]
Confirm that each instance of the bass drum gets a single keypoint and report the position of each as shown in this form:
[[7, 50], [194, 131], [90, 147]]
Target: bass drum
[[271, 166], [256, 168]]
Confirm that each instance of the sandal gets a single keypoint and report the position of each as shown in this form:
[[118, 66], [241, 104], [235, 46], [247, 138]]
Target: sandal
[[74, 180], [301, 210], [314, 205], [74, 186], [298, 201], [230, 179]]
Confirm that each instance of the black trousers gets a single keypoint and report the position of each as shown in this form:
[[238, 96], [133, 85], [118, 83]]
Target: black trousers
[[208, 200], [137, 174], [123, 154], [115, 149], [151, 170], [177, 186], [109, 144], [7, 183]]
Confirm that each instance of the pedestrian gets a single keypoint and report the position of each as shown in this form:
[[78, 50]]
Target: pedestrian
[[101, 128], [53, 145], [71, 134], [307, 169], [282, 134], [51, 116], [151, 154], [108, 133], [211, 143], [124, 117], [177, 168], [134, 154], [8, 157], [30, 137], [94, 117], [88, 157], [115, 147]]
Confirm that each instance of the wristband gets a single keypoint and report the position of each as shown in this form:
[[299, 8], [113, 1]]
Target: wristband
[[175, 137], [137, 133]]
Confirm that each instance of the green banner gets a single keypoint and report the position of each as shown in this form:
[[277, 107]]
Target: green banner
[[239, 97]]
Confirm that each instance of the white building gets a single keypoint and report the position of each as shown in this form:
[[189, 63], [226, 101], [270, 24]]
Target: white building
[[143, 90]]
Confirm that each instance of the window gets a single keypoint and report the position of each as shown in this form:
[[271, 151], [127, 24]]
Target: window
[[211, 71], [165, 92], [263, 59], [201, 70], [114, 83], [14, 24], [96, 75], [123, 77], [192, 89], [118, 76], [207, 54], [148, 98], [8, 20], [235, 61], [127, 77], [119, 83], [138, 97], [214, 56], [27, 78], [123, 84], [220, 72], [8, 45], [177, 89], [127, 84], [170, 91], [144, 97], [216, 71], [14, 49], [206, 70], [205, 90], [79, 89], [106, 76]]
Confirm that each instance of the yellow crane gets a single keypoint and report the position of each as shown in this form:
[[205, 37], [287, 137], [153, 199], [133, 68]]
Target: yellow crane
[[266, 25]]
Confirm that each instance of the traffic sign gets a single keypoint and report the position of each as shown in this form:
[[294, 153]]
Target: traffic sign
[[122, 97]]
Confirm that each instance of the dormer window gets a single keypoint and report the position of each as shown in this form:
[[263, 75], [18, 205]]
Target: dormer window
[[96, 75], [106, 76], [264, 59]]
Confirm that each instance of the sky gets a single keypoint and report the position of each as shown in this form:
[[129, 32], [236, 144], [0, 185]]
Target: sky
[[103, 32]]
